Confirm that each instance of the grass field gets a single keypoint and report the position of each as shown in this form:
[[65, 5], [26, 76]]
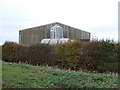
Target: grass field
[[28, 76]]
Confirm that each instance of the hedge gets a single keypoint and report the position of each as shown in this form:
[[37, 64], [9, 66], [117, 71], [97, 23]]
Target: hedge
[[100, 56]]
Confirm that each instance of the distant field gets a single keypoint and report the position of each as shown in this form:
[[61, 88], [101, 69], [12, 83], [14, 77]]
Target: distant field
[[28, 76]]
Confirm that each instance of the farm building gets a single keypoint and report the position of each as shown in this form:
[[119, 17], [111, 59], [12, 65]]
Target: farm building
[[35, 35]]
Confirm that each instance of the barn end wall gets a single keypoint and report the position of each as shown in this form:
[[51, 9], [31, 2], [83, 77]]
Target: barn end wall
[[36, 34]]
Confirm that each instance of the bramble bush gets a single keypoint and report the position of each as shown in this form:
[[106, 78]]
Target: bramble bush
[[95, 55]]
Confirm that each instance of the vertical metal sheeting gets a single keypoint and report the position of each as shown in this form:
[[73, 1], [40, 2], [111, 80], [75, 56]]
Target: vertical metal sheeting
[[56, 32], [52, 34]]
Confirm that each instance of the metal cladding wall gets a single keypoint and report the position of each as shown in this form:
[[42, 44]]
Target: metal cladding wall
[[36, 34]]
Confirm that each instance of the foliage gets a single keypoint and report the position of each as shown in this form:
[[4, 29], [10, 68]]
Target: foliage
[[69, 54], [90, 55], [108, 56], [39, 54], [96, 55], [9, 50]]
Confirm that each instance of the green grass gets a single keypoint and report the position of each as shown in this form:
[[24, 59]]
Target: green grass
[[28, 76]]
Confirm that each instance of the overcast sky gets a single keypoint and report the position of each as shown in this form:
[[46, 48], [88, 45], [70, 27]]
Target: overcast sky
[[100, 17]]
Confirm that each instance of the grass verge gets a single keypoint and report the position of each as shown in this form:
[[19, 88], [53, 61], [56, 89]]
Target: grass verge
[[28, 76]]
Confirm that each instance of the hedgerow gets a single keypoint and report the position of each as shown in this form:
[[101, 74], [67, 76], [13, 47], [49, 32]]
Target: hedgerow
[[100, 56]]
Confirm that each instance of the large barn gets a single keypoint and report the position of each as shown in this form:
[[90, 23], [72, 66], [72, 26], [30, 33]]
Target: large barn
[[35, 35]]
